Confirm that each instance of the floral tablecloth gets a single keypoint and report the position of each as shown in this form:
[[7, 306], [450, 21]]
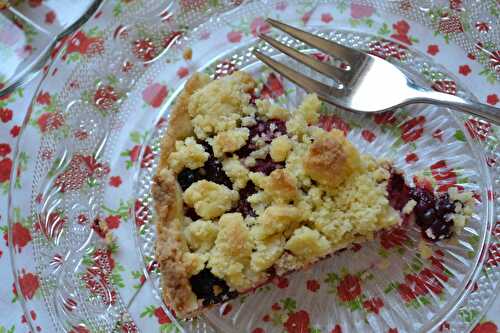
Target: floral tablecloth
[[13, 109]]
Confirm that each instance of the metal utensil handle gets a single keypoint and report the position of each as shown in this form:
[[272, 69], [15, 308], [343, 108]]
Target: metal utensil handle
[[487, 112]]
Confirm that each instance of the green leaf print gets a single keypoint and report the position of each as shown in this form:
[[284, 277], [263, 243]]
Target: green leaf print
[[459, 135], [289, 304], [384, 30], [468, 315]]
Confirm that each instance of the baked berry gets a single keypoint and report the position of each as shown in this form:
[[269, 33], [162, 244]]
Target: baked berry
[[398, 191], [214, 172], [266, 166], [266, 130], [187, 177], [210, 289], [244, 206]]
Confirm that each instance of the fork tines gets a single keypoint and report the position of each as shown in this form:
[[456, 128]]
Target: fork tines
[[325, 92]]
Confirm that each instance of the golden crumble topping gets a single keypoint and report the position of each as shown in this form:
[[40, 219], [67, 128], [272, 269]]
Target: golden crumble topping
[[247, 189], [280, 147], [187, 154], [209, 199], [230, 141]]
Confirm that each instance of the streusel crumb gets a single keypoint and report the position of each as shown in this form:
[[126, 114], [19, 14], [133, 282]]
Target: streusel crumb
[[187, 154], [209, 199]]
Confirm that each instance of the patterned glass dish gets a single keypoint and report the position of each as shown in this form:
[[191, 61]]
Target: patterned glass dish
[[29, 30], [99, 125]]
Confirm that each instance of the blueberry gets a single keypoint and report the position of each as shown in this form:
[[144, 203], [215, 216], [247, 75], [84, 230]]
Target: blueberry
[[209, 288]]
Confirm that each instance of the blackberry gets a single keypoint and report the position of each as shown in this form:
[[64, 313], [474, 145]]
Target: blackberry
[[210, 289]]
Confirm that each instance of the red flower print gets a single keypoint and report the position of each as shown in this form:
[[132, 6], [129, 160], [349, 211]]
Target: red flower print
[[444, 175], [368, 135], [171, 38], [478, 129], [4, 149], [182, 72], [373, 305], [491, 99], [486, 327], [464, 70], [393, 237], [113, 221], [359, 11], [226, 309], [259, 26], [328, 122], [79, 329], [349, 288], [29, 284], [154, 94], [161, 315], [412, 129], [444, 327], [129, 327], [20, 236], [306, 17], [5, 169], [258, 330], [297, 322], [438, 134], [35, 3], [5, 115], [411, 158], [44, 98], [147, 157], [326, 18], [495, 60], [384, 118], [50, 121], [392, 330], [320, 56], [50, 17], [234, 36], [450, 24], [115, 181], [336, 329], [312, 285], [276, 307], [141, 213], [105, 97], [445, 86], [493, 255], [273, 87], [401, 27], [433, 49], [281, 5], [144, 49], [83, 44], [281, 282], [15, 130], [134, 153], [482, 26], [406, 293]]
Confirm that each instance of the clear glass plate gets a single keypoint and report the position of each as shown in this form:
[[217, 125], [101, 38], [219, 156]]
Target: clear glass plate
[[29, 30], [109, 113]]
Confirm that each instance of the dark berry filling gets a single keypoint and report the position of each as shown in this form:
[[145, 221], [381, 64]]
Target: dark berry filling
[[211, 171], [432, 214], [244, 206], [267, 130], [210, 289], [399, 192], [266, 166]]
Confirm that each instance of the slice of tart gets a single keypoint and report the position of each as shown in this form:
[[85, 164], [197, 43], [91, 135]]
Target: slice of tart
[[246, 190]]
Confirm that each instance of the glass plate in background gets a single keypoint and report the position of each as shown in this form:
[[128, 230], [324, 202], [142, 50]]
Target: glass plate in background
[[29, 30], [106, 120]]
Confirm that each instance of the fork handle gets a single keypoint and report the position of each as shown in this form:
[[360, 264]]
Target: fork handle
[[487, 112]]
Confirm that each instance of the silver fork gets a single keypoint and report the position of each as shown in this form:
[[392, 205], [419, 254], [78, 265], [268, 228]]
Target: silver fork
[[368, 84]]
